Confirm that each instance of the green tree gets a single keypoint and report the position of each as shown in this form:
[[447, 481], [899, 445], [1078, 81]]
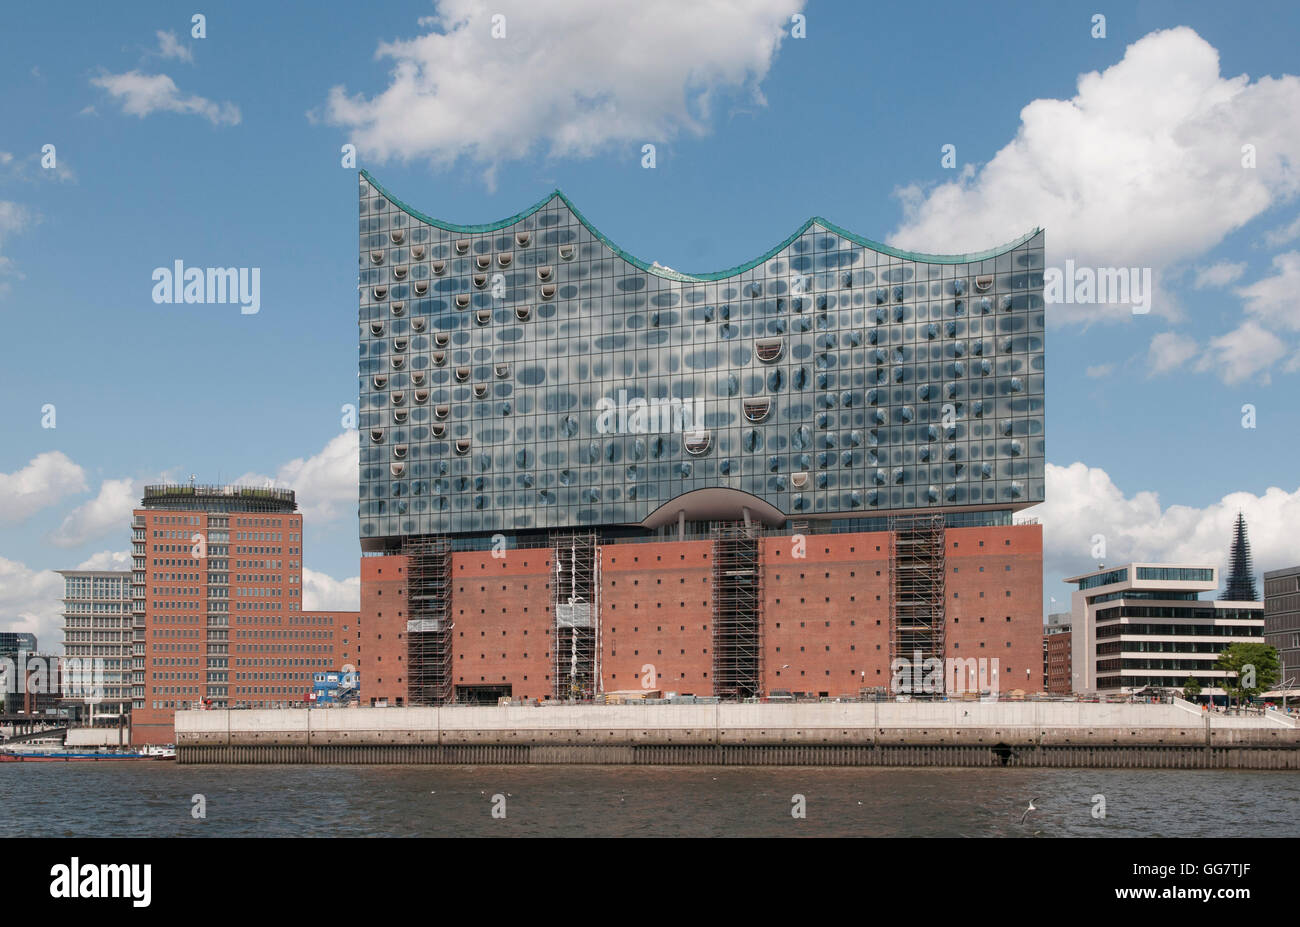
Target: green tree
[[1191, 688], [1251, 669]]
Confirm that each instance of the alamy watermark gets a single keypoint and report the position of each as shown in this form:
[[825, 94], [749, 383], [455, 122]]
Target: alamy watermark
[[37, 674], [212, 285], [639, 416], [1098, 285], [952, 676]]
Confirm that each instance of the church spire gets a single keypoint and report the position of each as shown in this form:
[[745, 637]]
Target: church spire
[[1241, 574]]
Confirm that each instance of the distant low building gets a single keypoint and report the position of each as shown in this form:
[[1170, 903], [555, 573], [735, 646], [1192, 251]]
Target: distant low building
[[13, 641], [32, 683], [1057, 661]]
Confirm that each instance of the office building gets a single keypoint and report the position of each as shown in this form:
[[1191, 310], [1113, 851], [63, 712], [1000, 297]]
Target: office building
[[1145, 625], [1057, 673], [1282, 621], [217, 600], [97, 645]]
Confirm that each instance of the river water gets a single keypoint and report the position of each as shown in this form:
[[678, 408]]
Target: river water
[[156, 799]]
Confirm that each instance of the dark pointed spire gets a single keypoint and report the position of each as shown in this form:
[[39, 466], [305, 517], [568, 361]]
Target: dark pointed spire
[[1241, 573]]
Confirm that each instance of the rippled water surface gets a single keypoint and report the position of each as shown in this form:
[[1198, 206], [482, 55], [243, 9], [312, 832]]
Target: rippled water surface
[[146, 799]]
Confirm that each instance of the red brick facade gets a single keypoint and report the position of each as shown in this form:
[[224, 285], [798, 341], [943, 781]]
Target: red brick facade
[[1060, 677], [264, 649], [826, 614]]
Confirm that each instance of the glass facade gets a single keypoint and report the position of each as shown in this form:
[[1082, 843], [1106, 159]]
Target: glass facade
[[1104, 579], [1176, 574], [530, 375]]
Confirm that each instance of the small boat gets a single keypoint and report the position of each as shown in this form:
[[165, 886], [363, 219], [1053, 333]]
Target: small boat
[[66, 756]]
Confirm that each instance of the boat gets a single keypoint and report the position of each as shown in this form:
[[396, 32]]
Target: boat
[[65, 756]]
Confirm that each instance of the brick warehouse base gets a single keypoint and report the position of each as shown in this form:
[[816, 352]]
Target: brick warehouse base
[[825, 615]]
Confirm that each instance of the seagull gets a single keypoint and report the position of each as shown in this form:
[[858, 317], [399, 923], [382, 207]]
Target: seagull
[[1027, 810]]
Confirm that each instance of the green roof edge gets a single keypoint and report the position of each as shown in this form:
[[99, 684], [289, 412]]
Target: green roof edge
[[662, 271]]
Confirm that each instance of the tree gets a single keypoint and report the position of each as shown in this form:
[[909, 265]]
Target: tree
[[1191, 688], [1251, 669]]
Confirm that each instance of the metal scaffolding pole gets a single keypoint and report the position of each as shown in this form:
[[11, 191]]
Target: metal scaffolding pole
[[737, 611], [916, 587], [575, 558], [429, 623]]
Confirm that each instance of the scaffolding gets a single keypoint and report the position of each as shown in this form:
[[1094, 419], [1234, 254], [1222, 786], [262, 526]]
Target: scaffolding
[[576, 606], [737, 611], [916, 588], [429, 623]]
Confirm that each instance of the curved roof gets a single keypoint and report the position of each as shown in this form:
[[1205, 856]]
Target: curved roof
[[670, 274]]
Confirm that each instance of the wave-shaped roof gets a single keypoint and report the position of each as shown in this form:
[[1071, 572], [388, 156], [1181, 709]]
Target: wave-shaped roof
[[661, 271]]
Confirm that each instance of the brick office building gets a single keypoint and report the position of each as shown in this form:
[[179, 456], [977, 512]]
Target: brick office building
[[583, 473], [1058, 674], [217, 606]]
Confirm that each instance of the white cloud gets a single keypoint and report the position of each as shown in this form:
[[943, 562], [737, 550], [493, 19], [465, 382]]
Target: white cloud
[[1220, 274], [107, 560], [1083, 501], [1274, 299], [14, 217], [143, 94], [108, 512], [1099, 371], [1142, 167], [1283, 235], [1169, 351], [1242, 353], [170, 47], [32, 601], [572, 78], [325, 483], [322, 593], [46, 479]]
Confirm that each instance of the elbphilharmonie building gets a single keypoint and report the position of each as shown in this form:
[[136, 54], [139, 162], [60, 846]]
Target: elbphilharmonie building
[[526, 383]]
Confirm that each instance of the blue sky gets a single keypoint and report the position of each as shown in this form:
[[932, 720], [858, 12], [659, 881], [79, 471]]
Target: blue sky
[[225, 151]]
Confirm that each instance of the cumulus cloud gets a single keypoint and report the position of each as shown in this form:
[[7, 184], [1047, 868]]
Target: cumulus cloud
[[1283, 235], [14, 217], [325, 483], [1141, 167], [1169, 351], [1241, 354], [143, 94], [630, 73], [32, 601], [46, 479], [1220, 274], [321, 592], [170, 47], [109, 512], [1273, 299], [1084, 501], [107, 560]]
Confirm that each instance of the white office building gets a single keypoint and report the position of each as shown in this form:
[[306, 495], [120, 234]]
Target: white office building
[[1145, 625]]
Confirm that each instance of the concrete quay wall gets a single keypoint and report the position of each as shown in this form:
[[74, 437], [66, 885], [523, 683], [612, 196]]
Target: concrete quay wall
[[939, 733]]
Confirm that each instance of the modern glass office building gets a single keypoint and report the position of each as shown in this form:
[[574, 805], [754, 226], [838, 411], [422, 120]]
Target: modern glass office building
[[529, 374]]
